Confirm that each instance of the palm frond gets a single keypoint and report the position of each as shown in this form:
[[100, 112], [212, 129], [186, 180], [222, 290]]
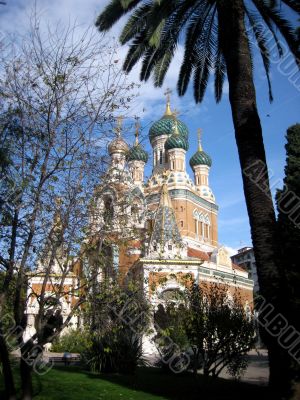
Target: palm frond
[[284, 27], [135, 52], [113, 12], [135, 24], [148, 63], [269, 24], [161, 68], [194, 31], [220, 68], [293, 4], [205, 52], [262, 44]]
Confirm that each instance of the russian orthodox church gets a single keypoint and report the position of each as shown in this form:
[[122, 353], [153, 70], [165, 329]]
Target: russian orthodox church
[[162, 231]]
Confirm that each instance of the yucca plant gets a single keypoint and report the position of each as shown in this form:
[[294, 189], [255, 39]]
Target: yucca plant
[[216, 36]]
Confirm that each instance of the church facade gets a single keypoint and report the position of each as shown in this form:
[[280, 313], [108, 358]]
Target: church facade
[[162, 232]]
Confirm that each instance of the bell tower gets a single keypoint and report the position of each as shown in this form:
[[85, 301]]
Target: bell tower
[[137, 158]]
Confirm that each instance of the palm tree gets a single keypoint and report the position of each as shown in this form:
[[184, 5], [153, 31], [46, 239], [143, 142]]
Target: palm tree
[[217, 35]]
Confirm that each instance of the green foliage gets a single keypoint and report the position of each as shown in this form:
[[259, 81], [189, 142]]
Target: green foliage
[[288, 228], [215, 328], [73, 341], [118, 350], [219, 331], [118, 316], [155, 28]]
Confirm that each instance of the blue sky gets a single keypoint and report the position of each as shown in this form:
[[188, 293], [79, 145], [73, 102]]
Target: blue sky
[[215, 120]]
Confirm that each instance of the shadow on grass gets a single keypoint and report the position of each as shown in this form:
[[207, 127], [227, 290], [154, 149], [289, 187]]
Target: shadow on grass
[[185, 386], [61, 382]]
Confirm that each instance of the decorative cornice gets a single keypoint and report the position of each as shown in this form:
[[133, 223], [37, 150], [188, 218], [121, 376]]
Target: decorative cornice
[[182, 193]]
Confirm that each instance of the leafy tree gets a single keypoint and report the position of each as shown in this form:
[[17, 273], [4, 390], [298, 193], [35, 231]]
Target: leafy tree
[[169, 328], [219, 330], [217, 37], [214, 327], [55, 109], [117, 317], [288, 224]]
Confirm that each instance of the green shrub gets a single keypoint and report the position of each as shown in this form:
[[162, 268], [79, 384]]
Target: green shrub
[[114, 352], [73, 341]]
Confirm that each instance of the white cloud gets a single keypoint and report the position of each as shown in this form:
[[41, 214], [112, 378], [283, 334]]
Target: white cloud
[[67, 12], [231, 250]]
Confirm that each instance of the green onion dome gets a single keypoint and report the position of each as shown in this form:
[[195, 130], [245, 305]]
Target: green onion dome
[[200, 158], [176, 141], [165, 126], [137, 153]]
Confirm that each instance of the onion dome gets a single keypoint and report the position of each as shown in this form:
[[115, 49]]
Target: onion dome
[[118, 145], [176, 141], [164, 126], [137, 153], [200, 157]]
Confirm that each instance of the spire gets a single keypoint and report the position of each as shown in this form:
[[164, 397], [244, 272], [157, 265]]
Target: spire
[[199, 131], [118, 128], [137, 126], [165, 227], [168, 111], [165, 200]]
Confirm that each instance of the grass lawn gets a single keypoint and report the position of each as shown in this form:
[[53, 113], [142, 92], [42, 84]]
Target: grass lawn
[[148, 383]]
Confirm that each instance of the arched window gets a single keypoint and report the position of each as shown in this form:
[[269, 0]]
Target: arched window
[[108, 214], [135, 210], [171, 295], [108, 263], [160, 156]]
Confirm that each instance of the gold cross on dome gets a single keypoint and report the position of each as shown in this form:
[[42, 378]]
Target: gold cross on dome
[[167, 93], [168, 111], [199, 133], [137, 127], [118, 128]]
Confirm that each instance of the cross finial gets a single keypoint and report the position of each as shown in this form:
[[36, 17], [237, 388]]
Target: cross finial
[[167, 93], [137, 127], [168, 108], [199, 132], [118, 128]]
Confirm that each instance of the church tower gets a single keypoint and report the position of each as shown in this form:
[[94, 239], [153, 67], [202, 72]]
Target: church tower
[[160, 132], [200, 164], [176, 147], [118, 148], [137, 158]]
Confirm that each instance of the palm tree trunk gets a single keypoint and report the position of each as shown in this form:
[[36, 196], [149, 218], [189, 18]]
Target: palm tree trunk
[[249, 139]]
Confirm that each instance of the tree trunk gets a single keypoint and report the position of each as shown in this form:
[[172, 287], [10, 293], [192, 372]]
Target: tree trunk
[[26, 378], [10, 390], [248, 133]]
